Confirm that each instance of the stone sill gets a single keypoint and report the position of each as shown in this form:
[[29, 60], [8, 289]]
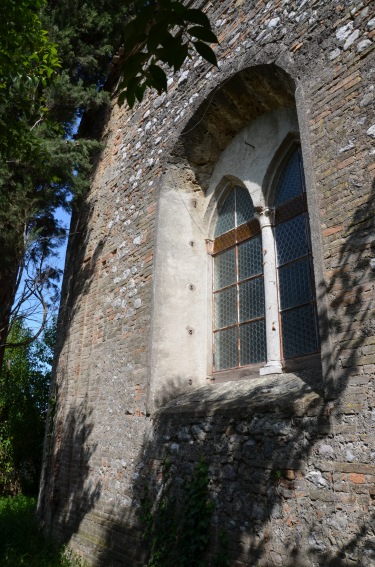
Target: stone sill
[[293, 393]]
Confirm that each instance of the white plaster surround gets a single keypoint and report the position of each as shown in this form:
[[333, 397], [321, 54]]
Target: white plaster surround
[[248, 165], [181, 340]]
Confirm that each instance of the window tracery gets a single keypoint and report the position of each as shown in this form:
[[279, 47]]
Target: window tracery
[[245, 328]]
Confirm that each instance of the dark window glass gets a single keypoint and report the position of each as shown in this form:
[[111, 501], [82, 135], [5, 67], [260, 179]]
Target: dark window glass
[[299, 335], [250, 258], [291, 240], [225, 269], [295, 284], [294, 261], [226, 348], [290, 183], [226, 216], [253, 343], [239, 326], [244, 206]]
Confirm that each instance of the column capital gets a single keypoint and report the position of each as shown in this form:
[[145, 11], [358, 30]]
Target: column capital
[[265, 216]]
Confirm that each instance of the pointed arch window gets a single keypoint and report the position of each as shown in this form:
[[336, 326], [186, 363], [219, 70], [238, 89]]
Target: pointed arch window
[[246, 326], [239, 308], [297, 300]]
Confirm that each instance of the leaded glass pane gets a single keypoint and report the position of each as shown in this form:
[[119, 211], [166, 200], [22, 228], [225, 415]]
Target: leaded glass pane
[[291, 240], [225, 220], [251, 297], [226, 348], [244, 206], [253, 343], [298, 330], [295, 284], [290, 182], [225, 308], [225, 268], [250, 258]]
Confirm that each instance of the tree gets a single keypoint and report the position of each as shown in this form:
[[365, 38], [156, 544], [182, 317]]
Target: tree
[[163, 33], [24, 391], [48, 79], [28, 59]]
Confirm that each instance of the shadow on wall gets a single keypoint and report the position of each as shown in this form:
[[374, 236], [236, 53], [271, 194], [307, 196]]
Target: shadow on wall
[[69, 493], [289, 463], [67, 446], [284, 492], [282, 455]]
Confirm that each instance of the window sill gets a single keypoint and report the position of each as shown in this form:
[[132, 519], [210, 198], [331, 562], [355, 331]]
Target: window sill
[[234, 374], [308, 362]]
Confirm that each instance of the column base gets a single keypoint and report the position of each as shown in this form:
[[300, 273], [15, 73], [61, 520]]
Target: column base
[[271, 368]]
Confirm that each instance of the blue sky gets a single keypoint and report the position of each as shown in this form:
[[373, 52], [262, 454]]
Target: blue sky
[[33, 322]]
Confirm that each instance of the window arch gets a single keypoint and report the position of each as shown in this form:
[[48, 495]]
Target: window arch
[[297, 301], [243, 289], [239, 307]]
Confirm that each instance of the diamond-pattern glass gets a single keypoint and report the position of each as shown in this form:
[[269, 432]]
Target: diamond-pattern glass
[[225, 307], [290, 182], [253, 343], [295, 284], [250, 258], [244, 206], [298, 331], [251, 298], [225, 269], [226, 349], [291, 240], [226, 220]]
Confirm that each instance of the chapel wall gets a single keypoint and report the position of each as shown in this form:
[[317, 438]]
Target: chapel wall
[[103, 443]]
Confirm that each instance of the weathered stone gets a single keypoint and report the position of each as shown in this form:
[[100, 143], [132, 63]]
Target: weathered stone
[[316, 478], [290, 455]]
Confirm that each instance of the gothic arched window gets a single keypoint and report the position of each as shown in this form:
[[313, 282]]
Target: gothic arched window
[[294, 262], [239, 314], [254, 321]]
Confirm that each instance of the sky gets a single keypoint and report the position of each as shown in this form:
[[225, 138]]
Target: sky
[[58, 262], [33, 322]]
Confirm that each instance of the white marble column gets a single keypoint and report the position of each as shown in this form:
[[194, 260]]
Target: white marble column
[[273, 364]]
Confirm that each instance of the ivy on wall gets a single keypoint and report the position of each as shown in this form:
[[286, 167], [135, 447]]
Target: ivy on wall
[[177, 528]]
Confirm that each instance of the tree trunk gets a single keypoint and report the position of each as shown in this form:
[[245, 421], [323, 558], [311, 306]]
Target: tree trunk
[[8, 281]]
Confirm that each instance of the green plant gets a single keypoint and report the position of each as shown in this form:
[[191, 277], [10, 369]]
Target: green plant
[[24, 388], [222, 559], [178, 528], [276, 475], [21, 542]]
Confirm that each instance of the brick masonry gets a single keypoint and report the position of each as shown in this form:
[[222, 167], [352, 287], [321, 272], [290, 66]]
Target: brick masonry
[[103, 445]]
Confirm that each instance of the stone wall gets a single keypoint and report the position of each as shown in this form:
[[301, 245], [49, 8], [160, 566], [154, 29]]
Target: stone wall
[[309, 497]]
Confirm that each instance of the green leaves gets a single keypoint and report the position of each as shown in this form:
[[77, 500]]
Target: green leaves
[[162, 33], [159, 78], [178, 526], [202, 33], [24, 390], [195, 16], [206, 52]]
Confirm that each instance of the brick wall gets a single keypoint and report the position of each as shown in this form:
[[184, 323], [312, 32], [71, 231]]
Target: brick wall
[[103, 446]]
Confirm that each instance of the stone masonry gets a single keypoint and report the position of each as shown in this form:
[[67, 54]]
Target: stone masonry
[[291, 457]]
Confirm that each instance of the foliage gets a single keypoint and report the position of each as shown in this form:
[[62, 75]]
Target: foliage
[[53, 66], [21, 543], [39, 168], [28, 59], [162, 34], [24, 390], [177, 530]]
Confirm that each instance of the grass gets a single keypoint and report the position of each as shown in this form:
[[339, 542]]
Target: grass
[[21, 543]]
